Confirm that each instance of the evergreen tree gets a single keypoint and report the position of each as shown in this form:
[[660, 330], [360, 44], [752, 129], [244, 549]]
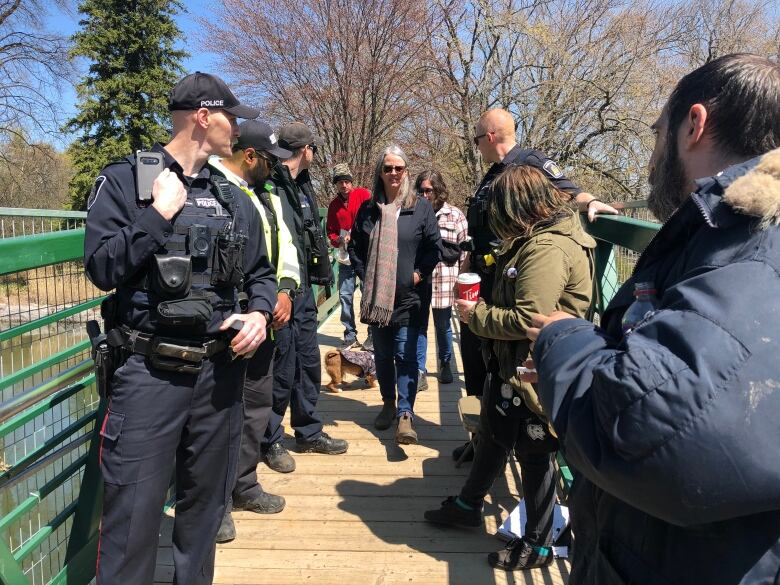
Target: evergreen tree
[[124, 96]]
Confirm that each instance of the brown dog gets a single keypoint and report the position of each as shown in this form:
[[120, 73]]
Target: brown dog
[[337, 366]]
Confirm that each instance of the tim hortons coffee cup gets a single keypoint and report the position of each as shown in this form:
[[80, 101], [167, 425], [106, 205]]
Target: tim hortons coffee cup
[[468, 286]]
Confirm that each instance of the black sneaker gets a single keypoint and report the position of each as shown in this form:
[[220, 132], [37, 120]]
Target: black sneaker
[[458, 452], [279, 459], [227, 530], [451, 514], [445, 373], [422, 381], [519, 555], [322, 444], [262, 504]]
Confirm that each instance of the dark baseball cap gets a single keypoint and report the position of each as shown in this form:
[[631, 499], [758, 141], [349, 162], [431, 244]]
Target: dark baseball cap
[[294, 136], [260, 136], [203, 90]]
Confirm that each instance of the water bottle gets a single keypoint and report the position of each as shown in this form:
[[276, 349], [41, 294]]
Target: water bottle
[[342, 256], [644, 305]]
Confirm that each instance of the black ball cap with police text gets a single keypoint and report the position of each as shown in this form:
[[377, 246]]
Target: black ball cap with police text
[[203, 90]]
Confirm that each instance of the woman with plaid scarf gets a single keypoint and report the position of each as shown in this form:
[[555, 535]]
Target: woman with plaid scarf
[[393, 247]]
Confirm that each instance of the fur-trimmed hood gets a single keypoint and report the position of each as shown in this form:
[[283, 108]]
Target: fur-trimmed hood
[[757, 192]]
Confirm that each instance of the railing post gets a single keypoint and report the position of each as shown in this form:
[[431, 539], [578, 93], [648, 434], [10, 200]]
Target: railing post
[[606, 275], [81, 553], [10, 571]]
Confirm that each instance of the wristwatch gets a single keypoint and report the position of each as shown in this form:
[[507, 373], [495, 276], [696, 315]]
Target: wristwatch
[[288, 291]]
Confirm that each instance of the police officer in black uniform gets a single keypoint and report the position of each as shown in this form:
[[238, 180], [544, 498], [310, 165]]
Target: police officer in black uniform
[[177, 259], [297, 369], [495, 137]]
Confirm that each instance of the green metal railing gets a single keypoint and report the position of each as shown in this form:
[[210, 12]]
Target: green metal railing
[[50, 486]]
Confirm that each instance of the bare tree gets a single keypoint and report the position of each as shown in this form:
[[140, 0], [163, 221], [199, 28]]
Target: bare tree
[[350, 68], [33, 66], [36, 175], [584, 79]]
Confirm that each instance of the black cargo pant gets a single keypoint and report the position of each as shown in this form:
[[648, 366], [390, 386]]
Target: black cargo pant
[[524, 432], [159, 423], [258, 399], [297, 373]]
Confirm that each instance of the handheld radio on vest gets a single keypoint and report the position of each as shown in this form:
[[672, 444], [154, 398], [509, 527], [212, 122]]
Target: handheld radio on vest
[[148, 166]]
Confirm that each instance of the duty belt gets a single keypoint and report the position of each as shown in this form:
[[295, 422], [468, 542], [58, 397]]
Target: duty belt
[[168, 353]]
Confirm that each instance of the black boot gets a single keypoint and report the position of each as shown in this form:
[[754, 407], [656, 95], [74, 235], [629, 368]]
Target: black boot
[[385, 417], [227, 530], [453, 514], [322, 444]]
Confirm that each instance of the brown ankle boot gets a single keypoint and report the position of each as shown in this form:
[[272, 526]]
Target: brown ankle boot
[[405, 435]]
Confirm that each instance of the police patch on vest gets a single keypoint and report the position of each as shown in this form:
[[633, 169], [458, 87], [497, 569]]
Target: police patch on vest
[[552, 169], [209, 202], [535, 431], [95, 193]]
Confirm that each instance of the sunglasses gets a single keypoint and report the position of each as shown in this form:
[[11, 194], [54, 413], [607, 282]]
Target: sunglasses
[[387, 169], [476, 138], [313, 148], [425, 191]]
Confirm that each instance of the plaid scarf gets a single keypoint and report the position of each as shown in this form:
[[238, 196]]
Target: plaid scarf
[[376, 306]]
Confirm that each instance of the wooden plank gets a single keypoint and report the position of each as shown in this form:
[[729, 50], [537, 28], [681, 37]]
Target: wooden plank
[[358, 518], [472, 570]]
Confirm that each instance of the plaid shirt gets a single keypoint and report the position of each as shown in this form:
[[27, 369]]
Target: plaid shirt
[[453, 227]]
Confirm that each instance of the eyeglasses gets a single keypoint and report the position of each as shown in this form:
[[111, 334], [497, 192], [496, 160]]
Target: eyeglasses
[[313, 148], [425, 191], [476, 138], [387, 169]]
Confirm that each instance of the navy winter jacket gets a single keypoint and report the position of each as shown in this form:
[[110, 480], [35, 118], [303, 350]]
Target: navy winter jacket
[[674, 429]]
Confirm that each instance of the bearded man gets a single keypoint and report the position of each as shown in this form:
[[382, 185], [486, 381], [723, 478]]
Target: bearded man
[[673, 427]]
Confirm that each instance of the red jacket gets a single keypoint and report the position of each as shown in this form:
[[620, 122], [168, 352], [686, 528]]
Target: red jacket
[[341, 215]]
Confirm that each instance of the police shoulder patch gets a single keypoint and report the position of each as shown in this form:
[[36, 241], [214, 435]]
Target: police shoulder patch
[[95, 193], [551, 168]]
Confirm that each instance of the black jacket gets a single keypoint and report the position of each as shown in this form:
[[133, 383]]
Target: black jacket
[[674, 428], [418, 249], [122, 235]]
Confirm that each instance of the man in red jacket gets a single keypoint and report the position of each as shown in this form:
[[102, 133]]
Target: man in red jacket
[[341, 214]]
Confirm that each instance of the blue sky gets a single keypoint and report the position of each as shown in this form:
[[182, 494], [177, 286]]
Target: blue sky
[[65, 21]]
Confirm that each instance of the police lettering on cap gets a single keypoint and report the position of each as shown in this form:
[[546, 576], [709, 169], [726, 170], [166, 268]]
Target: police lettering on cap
[[260, 136], [297, 135], [203, 90]]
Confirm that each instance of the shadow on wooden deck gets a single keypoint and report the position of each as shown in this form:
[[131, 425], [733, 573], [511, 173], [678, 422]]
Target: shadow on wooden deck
[[357, 518]]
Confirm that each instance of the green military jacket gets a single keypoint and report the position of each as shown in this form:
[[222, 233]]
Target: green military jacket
[[550, 270]]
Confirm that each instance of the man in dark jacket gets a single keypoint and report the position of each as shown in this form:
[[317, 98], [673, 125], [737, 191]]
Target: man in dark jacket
[[673, 427], [297, 373]]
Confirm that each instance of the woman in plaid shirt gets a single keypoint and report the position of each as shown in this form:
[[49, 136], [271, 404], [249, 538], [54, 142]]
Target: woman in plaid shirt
[[439, 290]]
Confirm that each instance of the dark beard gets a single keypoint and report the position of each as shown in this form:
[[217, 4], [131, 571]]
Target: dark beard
[[668, 185]]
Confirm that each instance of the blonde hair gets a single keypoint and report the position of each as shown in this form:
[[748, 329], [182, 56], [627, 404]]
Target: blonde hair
[[521, 197], [406, 194]]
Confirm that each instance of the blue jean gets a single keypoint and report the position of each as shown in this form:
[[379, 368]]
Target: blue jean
[[346, 296], [396, 364], [442, 326]]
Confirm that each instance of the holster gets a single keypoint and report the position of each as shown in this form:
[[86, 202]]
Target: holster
[[103, 356], [317, 256]]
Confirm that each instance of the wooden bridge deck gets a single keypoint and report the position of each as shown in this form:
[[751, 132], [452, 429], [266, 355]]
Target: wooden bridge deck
[[358, 518]]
